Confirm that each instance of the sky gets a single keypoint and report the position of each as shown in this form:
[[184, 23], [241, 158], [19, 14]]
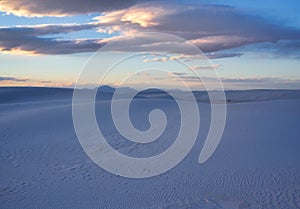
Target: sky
[[248, 44]]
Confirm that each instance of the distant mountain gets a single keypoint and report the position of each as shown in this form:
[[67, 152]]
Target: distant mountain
[[109, 89], [106, 89], [153, 91], [126, 90]]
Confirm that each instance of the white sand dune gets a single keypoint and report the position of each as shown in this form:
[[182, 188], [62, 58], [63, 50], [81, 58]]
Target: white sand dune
[[256, 165]]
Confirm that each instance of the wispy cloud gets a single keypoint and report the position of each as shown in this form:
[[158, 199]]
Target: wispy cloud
[[8, 78], [212, 67], [286, 49], [251, 82], [157, 59], [261, 82], [220, 55], [23, 81]]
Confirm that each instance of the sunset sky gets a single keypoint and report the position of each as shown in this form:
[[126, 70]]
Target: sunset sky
[[251, 44]]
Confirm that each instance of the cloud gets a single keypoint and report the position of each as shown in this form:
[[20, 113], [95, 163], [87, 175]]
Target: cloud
[[220, 55], [261, 82], [216, 43], [212, 67], [7, 78], [212, 28], [287, 49], [189, 57], [233, 82], [249, 82], [39, 8], [30, 40], [134, 18], [19, 81], [157, 59], [178, 74]]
